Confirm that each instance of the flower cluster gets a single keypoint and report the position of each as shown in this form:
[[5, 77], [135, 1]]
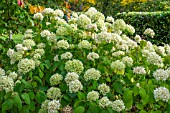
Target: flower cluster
[[93, 96], [84, 45], [45, 33], [56, 79], [62, 44], [103, 88], [104, 102], [66, 55], [149, 32], [6, 83], [13, 75], [130, 29], [161, 74], [161, 93], [92, 56], [38, 16], [2, 72], [118, 105], [53, 93], [29, 43], [71, 77], [47, 11], [128, 61], [75, 86], [74, 66], [139, 70], [26, 65], [83, 21], [92, 74], [53, 106], [118, 66]]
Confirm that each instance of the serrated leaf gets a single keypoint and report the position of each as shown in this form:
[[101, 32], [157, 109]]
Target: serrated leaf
[[7, 105], [38, 80], [127, 98], [26, 98], [79, 109], [17, 101], [26, 84]]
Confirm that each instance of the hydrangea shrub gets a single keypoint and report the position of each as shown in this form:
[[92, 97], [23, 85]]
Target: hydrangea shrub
[[90, 64]]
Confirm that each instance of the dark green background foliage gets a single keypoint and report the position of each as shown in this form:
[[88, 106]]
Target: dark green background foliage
[[159, 22]]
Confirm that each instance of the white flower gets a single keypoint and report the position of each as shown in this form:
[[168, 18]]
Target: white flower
[[92, 74], [38, 16], [98, 15], [91, 27], [29, 43], [13, 75], [75, 86], [84, 44], [103, 88], [56, 58], [119, 24], [62, 44], [110, 19], [53, 93], [71, 76], [128, 61], [6, 83], [160, 50], [161, 74], [66, 55], [40, 45], [149, 32], [91, 56], [118, 105], [118, 66], [118, 53], [45, 33], [10, 52], [104, 102], [20, 47], [53, 106], [59, 13], [137, 38], [26, 65], [161, 93], [93, 96], [29, 31], [139, 70], [83, 21], [74, 66], [130, 29], [154, 58], [27, 36], [56, 79], [47, 11], [2, 72]]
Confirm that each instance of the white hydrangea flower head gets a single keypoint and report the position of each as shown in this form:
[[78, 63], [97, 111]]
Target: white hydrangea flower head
[[92, 56], [36, 56], [90, 12], [6, 83], [44, 105], [47, 11], [100, 24], [39, 51], [149, 32], [139, 70], [149, 47], [130, 29], [75, 86], [161, 75], [119, 24], [118, 53], [160, 50], [74, 66], [53, 93], [161, 93], [128, 61], [10, 52], [53, 106], [41, 45], [62, 44], [137, 38], [29, 43], [93, 96], [113, 49], [104, 102], [154, 58], [92, 74], [91, 27], [118, 66], [96, 16], [37, 62], [45, 33], [68, 109], [20, 47], [29, 31], [103, 89], [118, 105], [2, 72], [67, 55], [110, 19], [83, 21], [116, 38], [104, 37], [16, 57], [13, 75], [52, 37], [26, 65], [59, 13], [27, 36], [56, 79], [84, 44], [38, 16], [56, 58], [71, 76]]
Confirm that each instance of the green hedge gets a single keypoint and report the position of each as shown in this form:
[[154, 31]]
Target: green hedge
[[158, 21]]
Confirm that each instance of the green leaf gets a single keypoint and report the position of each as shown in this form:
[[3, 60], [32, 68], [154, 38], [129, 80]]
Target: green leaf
[[142, 92], [32, 106], [40, 97], [26, 98], [17, 101], [117, 86], [127, 98], [24, 109], [47, 64], [139, 106], [41, 74], [7, 104], [79, 109], [31, 95], [81, 96], [27, 85], [135, 90], [142, 111], [38, 80]]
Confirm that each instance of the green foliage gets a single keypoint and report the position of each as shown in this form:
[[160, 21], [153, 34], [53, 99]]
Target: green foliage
[[158, 21]]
